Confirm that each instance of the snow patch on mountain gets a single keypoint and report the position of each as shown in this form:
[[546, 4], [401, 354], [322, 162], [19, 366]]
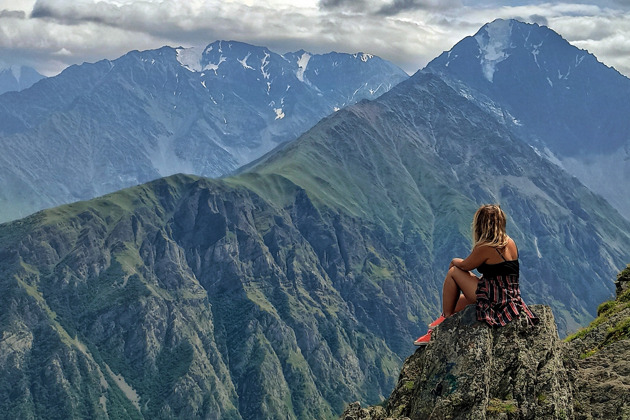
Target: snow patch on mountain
[[578, 59], [549, 155], [538, 253], [263, 67], [189, 58], [363, 56], [302, 63], [215, 67], [493, 46], [279, 113], [535, 53], [244, 62]]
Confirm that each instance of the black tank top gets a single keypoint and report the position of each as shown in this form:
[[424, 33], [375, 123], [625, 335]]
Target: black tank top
[[505, 268]]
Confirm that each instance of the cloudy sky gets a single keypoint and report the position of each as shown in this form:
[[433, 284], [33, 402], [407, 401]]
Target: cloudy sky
[[52, 34]]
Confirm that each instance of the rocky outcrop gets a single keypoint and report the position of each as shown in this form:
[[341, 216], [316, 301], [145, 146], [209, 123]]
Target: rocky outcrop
[[599, 359], [470, 370], [519, 371]]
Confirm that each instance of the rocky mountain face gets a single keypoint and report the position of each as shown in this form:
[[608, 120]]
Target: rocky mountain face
[[97, 128], [558, 98], [519, 371], [296, 286], [598, 359], [16, 78], [184, 298]]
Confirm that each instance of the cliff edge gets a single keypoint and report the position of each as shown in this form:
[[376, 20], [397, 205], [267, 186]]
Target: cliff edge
[[520, 371]]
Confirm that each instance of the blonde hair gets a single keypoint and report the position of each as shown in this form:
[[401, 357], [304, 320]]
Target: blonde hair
[[488, 226]]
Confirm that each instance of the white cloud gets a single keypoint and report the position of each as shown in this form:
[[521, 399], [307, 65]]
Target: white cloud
[[408, 32]]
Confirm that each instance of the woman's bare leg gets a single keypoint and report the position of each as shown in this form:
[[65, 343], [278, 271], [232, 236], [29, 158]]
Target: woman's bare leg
[[455, 281], [462, 302]]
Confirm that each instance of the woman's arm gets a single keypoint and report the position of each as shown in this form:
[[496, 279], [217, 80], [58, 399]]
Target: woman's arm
[[478, 256]]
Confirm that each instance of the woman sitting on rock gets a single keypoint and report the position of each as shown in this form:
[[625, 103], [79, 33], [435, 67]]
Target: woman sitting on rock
[[496, 292]]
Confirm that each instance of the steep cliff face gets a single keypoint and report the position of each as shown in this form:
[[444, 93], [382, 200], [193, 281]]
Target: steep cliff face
[[520, 371], [184, 298]]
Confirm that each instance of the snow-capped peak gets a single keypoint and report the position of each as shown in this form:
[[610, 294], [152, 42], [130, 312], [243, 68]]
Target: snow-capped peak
[[493, 45]]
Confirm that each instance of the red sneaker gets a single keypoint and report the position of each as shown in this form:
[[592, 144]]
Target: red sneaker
[[424, 340], [437, 322]]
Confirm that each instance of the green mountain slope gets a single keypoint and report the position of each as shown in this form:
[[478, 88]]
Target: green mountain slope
[[417, 163], [183, 298], [294, 287]]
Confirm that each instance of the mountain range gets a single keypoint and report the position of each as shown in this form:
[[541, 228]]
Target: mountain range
[[295, 286], [558, 98], [97, 128], [291, 287]]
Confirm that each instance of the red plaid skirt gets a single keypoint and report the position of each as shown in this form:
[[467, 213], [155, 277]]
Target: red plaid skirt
[[499, 300]]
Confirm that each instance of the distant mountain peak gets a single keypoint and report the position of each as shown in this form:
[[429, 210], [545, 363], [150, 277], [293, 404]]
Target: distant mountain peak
[[509, 48], [17, 77], [558, 97], [198, 59]]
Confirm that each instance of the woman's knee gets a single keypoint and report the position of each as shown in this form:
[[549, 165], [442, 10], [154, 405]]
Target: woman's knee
[[454, 271]]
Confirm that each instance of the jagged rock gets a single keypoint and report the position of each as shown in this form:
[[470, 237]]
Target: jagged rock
[[623, 281], [519, 371], [470, 370], [602, 383], [598, 359], [354, 411]]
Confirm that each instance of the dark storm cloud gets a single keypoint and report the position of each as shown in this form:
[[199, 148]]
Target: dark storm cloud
[[77, 13], [388, 7], [14, 14], [398, 6], [353, 5], [541, 20], [41, 11]]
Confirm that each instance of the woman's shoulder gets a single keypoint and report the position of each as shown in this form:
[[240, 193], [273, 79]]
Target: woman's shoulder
[[510, 250], [486, 250]]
